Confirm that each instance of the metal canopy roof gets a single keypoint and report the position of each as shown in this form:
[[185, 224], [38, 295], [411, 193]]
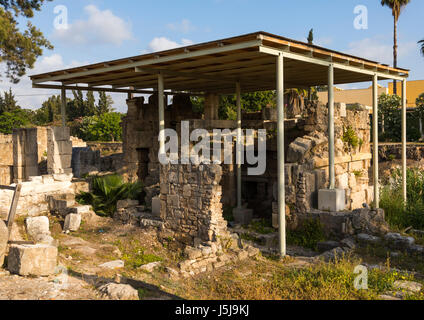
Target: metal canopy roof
[[216, 67]]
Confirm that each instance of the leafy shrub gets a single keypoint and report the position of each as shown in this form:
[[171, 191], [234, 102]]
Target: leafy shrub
[[107, 191], [105, 127], [351, 138], [308, 235], [397, 213]]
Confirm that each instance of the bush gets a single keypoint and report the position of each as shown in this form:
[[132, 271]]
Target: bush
[[107, 191], [308, 235], [106, 127], [397, 213]]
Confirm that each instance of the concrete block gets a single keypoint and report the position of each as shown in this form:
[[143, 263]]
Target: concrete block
[[156, 206], [331, 200], [243, 216], [32, 260]]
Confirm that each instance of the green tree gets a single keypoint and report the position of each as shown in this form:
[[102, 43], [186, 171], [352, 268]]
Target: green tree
[[19, 48], [389, 116], [14, 119], [90, 104], [105, 127], [49, 112], [421, 42], [105, 104], [311, 37], [396, 6], [8, 102]]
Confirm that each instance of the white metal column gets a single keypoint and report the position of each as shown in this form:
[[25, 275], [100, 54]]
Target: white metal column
[[63, 107], [161, 104], [239, 138], [331, 153], [375, 140], [280, 150], [404, 164]]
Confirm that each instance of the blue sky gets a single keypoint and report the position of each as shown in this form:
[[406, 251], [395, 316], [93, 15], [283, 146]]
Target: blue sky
[[101, 30]]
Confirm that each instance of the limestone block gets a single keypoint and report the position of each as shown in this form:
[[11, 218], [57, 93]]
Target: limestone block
[[4, 238], [342, 181], [32, 260], [124, 204], [357, 199], [37, 225], [59, 133], [298, 149], [116, 291], [72, 222]]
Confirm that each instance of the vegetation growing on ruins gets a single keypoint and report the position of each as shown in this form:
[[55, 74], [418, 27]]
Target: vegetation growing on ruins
[[398, 214], [107, 191], [308, 235]]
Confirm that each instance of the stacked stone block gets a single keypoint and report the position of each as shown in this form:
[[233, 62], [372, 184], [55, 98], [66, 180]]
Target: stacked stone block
[[191, 202], [59, 150]]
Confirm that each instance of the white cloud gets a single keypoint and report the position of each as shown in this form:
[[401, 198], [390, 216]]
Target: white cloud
[[184, 26], [162, 43], [376, 50], [100, 27]]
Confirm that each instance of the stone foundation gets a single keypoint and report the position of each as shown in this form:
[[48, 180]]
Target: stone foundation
[[191, 202]]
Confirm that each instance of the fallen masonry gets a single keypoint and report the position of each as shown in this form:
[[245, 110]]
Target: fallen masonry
[[32, 260]]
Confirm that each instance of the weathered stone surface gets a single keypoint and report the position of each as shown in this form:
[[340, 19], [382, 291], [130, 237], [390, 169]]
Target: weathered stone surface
[[348, 243], [32, 260], [43, 238], [297, 150], [72, 222], [366, 239], [332, 254], [150, 266], [119, 291], [327, 245], [124, 204], [369, 221], [397, 241], [242, 215], [37, 225], [117, 264], [193, 253], [4, 234], [410, 286]]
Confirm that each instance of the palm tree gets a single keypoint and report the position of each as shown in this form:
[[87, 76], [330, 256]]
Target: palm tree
[[421, 42], [396, 6]]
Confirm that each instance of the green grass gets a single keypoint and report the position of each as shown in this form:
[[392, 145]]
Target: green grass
[[134, 255], [399, 215], [262, 226]]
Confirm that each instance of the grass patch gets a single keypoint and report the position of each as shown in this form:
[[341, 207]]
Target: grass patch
[[262, 226], [134, 255], [272, 281]]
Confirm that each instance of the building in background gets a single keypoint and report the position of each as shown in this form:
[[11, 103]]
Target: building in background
[[352, 96], [413, 90]]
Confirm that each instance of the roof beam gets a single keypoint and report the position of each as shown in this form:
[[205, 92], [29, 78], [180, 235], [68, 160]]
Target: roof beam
[[191, 54], [305, 58], [98, 89]]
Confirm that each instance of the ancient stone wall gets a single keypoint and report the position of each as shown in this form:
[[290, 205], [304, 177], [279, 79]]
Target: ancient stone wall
[[191, 202], [59, 150], [33, 200], [29, 152], [307, 157], [6, 159]]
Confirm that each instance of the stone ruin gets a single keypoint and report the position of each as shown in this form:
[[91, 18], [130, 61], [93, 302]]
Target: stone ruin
[[186, 202]]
